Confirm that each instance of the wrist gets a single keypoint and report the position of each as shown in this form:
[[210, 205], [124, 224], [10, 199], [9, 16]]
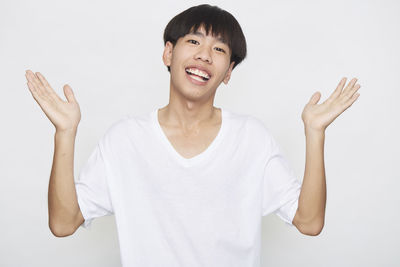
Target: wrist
[[313, 131], [66, 132]]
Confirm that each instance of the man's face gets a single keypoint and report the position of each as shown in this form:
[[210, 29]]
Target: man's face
[[198, 63]]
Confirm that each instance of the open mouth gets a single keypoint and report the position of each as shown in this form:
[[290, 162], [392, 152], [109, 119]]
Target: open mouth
[[197, 74]]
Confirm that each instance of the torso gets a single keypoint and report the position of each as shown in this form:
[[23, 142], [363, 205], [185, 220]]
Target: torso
[[189, 145]]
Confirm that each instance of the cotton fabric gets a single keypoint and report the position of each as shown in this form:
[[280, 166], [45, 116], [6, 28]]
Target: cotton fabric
[[172, 211]]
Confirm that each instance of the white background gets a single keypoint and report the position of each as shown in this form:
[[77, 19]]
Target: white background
[[109, 52]]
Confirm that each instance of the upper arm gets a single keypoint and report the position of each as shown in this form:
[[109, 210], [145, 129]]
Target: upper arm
[[92, 190]]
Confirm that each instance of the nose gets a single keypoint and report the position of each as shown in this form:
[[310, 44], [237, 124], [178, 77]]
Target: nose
[[204, 54]]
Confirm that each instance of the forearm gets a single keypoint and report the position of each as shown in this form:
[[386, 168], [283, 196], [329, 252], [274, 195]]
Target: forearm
[[312, 200], [62, 200]]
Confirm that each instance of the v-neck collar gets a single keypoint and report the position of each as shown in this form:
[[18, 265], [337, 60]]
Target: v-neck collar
[[187, 162]]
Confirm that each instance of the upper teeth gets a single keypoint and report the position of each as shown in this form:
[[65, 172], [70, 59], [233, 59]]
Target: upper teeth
[[198, 72]]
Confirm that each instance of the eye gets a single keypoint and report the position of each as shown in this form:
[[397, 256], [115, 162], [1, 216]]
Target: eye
[[192, 40], [222, 50]]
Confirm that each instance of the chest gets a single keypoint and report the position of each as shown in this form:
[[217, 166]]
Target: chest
[[189, 145]]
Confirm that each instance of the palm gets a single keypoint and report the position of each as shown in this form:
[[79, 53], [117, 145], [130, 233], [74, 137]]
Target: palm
[[319, 116], [64, 115]]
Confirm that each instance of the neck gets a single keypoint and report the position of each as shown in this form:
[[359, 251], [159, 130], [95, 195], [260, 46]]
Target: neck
[[188, 117]]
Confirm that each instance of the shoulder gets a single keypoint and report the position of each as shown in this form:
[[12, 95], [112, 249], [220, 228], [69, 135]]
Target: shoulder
[[129, 128], [251, 128], [127, 123], [117, 128], [258, 127], [263, 133], [120, 131], [250, 122]]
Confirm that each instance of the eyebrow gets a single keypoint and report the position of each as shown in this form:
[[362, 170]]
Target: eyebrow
[[220, 39]]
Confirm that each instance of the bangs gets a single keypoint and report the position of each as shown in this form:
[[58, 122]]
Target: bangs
[[221, 34], [216, 21]]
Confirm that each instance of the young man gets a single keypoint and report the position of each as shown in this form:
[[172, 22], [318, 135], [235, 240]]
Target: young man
[[189, 183]]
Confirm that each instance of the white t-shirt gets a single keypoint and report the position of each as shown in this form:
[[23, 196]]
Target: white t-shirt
[[172, 211]]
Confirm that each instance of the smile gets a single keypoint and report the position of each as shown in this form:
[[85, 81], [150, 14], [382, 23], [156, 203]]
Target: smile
[[196, 79], [198, 72]]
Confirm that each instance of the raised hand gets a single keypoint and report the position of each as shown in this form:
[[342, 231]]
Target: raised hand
[[318, 117], [65, 115]]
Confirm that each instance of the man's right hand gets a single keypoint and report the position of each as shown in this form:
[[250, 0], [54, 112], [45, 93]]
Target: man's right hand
[[65, 115]]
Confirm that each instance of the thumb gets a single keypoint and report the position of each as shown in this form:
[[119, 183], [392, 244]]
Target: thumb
[[69, 94], [315, 98]]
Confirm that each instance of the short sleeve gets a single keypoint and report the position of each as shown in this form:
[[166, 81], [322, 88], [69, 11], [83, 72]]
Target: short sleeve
[[281, 189], [92, 188]]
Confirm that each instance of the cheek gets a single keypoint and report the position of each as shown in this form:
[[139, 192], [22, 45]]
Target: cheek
[[179, 57], [224, 67]]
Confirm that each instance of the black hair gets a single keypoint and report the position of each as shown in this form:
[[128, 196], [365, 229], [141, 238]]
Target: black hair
[[220, 21]]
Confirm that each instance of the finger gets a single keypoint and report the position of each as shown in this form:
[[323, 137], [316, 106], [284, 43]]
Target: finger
[[47, 86], [314, 98], [32, 85], [38, 84], [34, 80], [353, 90], [42, 79], [37, 94], [338, 90], [351, 100], [349, 86], [36, 87], [69, 94], [44, 92], [32, 89], [42, 101]]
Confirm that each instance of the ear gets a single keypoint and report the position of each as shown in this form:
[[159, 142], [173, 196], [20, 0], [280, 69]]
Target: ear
[[167, 54], [228, 74]]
